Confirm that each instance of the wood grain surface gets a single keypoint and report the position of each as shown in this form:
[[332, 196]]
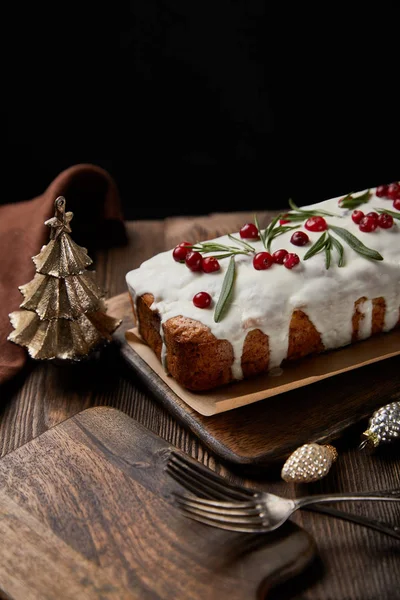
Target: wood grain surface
[[353, 563], [85, 513]]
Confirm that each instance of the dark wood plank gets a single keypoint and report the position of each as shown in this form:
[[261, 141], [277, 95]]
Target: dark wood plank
[[87, 504]]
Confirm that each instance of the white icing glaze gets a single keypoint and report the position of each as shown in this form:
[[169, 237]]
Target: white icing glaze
[[266, 299], [365, 325]]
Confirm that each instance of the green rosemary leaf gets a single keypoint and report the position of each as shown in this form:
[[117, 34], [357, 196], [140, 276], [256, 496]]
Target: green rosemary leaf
[[278, 231], [273, 223], [260, 233], [318, 246], [347, 198], [350, 201], [339, 248], [282, 229], [213, 247], [356, 244], [245, 244], [328, 247], [268, 230], [228, 254], [308, 213], [388, 212], [226, 291], [294, 216], [293, 206], [209, 247]]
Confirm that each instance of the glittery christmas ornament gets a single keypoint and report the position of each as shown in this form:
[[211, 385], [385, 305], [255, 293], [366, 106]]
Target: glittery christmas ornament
[[309, 463], [384, 427], [63, 314]]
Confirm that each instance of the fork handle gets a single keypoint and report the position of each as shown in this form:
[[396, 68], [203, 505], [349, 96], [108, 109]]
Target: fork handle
[[308, 500], [380, 526]]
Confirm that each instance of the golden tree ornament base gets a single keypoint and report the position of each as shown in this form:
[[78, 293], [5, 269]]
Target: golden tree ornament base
[[63, 315]]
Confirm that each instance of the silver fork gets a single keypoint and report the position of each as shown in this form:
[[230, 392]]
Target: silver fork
[[215, 501]]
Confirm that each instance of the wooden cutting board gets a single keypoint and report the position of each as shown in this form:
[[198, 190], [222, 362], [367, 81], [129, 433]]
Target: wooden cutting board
[[85, 514], [263, 434]]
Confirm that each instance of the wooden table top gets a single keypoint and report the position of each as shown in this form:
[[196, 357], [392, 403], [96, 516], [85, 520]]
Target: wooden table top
[[353, 562]]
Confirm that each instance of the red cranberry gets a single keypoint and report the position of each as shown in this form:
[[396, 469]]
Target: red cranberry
[[394, 191], [396, 204], [373, 215], [382, 191], [279, 255], [368, 224], [262, 260], [283, 221], [357, 215], [316, 224], [209, 264], [249, 230], [385, 221], [202, 300], [299, 238], [180, 251], [291, 260], [193, 260]]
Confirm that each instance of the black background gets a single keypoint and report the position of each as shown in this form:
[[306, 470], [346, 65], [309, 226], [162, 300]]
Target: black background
[[196, 107]]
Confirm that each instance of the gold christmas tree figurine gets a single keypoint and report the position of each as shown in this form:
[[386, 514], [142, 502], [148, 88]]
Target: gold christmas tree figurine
[[63, 314]]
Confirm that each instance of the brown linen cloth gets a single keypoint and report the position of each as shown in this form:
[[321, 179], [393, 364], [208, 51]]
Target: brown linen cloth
[[92, 195]]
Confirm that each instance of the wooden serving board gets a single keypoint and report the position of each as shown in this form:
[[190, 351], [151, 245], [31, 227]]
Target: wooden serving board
[[263, 434], [85, 514]]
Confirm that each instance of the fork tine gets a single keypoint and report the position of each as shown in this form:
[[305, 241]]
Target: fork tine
[[237, 491], [203, 480], [189, 484], [195, 482], [225, 516], [225, 519], [218, 507], [221, 525]]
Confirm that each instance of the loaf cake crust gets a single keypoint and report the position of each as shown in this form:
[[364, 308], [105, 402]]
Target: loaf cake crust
[[275, 315]]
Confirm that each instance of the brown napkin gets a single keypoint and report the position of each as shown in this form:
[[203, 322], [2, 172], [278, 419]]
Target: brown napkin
[[92, 195]]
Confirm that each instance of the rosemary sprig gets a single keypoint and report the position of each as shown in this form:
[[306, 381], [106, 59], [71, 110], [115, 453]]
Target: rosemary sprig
[[309, 213], [356, 244], [318, 246], [214, 247], [328, 247], [260, 232], [339, 248], [352, 202], [299, 214], [264, 234], [226, 290], [276, 232], [272, 231], [245, 244], [388, 212], [325, 243]]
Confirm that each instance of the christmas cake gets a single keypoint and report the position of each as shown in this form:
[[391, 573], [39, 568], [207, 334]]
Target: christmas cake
[[317, 278]]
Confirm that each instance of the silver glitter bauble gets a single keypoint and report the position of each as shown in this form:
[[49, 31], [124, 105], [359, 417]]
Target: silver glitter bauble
[[384, 426], [309, 463]]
